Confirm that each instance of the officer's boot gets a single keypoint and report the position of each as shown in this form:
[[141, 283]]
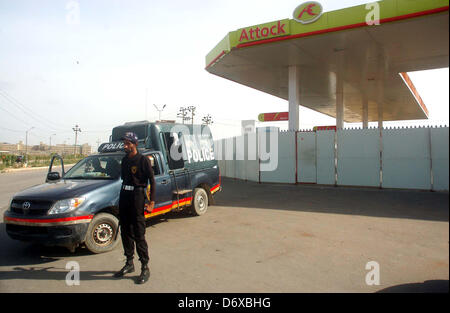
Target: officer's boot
[[128, 268], [145, 274]]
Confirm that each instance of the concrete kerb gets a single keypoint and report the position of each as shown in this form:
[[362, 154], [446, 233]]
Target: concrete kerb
[[22, 169]]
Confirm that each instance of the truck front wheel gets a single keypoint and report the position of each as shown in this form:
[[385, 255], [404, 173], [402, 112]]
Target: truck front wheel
[[102, 233], [200, 202]]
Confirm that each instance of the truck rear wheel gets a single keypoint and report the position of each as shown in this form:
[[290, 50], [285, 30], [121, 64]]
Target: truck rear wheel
[[200, 202], [102, 233]]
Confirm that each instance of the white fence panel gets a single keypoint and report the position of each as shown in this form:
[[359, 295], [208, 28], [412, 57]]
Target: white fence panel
[[306, 154], [406, 158], [440, 158], [358, 157], [219, 154], [240, 171], [230, 157], [410, 158], [285, 170], [325, 157], [251, 160]]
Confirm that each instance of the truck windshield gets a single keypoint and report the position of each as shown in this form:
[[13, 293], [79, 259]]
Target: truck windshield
[[96, 167]]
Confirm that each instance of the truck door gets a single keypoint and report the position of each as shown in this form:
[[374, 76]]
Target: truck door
[[163, 192], [179, 174]]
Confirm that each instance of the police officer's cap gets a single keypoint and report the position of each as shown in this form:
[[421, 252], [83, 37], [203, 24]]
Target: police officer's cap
[[131, 137]]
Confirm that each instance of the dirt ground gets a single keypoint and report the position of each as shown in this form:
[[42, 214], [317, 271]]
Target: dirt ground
[[265, 238]]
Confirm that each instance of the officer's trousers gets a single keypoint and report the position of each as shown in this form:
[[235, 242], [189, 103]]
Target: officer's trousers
[[132, 223]]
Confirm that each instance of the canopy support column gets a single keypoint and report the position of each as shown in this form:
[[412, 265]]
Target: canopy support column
[[380, 115], [339, 104], [365, 111], [340, 89], [294, 97]]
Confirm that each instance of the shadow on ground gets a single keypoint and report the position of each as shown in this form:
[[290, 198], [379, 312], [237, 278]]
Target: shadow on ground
[[429, 286], [409, 204], [34, 261], [50, 273]]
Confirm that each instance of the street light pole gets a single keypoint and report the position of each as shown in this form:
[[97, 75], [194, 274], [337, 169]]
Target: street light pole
[[183, 114], [207, 119], [159, 110], [76, 129], [26, 146], [192, 110]]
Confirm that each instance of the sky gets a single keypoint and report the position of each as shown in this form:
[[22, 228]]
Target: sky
[[100, 63]]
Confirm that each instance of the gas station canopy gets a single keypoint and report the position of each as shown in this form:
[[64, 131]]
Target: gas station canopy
[[350, 63]]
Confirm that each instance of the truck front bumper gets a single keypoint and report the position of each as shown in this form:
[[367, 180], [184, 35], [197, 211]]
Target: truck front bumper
[[64, 231]]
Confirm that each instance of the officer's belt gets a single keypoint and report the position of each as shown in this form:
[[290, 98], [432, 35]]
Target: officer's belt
[[130, 188]]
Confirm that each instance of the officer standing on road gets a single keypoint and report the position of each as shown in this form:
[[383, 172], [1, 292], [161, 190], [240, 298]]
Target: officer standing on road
[[136, 173]]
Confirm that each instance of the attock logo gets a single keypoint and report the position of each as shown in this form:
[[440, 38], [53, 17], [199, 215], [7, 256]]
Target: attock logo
[[308, 12]]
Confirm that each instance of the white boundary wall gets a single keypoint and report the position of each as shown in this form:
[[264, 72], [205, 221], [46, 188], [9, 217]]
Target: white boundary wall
[[326, 163], [285, 171], [439, 157], [406, 161], [406, 158], [358, 157], [306, 157], [251, 158]]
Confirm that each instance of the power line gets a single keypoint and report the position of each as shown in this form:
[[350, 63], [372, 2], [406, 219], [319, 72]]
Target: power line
[[21, 106], [27, 123], [25, 109], [12, 130], [96, 131], [38, 136], [14, 116]]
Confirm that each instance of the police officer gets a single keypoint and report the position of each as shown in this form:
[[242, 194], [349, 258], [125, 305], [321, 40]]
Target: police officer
[[136, 173]]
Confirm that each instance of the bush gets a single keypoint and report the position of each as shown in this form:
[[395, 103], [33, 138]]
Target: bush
[[9, 160]]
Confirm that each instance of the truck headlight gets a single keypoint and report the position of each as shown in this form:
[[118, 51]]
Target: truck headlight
[[67, 205], [10, 204]]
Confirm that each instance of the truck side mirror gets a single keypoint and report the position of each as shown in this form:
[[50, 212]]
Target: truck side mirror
[[52, 176]]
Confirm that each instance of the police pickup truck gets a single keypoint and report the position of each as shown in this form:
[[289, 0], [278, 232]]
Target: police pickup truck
[[81, 206]]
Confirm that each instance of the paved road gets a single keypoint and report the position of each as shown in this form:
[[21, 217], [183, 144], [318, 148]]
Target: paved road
[[260, 238], [12, 182]]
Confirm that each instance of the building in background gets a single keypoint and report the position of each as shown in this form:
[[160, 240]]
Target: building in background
[[248, 126], [44, 149]]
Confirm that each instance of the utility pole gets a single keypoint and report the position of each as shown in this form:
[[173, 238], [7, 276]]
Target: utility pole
[[207, 120], [26, 146], [192, 110], [159, 110], [183, 114], [51, 142], [76, 129]]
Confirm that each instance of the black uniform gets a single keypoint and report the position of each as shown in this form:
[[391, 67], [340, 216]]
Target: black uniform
[[136, 172]]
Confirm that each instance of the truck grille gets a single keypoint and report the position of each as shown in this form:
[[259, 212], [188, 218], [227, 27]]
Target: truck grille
[[35, 207]]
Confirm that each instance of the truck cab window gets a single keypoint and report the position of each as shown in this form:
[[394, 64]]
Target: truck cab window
[[96, 167], [155, 164], [173, 144]]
